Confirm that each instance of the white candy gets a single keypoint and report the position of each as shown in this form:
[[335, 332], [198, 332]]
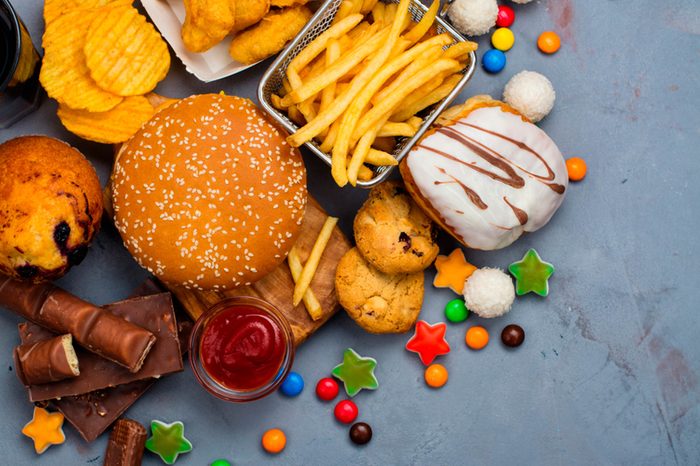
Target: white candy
[[489, 293], [531, 94], [473, 17]]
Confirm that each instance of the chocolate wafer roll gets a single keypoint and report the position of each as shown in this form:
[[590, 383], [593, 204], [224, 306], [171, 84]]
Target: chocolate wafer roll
[[95, 329], [126, 444], [46, 361]]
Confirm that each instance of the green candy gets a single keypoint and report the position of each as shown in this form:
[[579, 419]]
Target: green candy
[[220, 463], [356, 372], [456, 311], [531, 274], [168, 441]]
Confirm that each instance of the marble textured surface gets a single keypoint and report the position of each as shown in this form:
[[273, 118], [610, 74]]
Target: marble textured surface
[[610, 367]]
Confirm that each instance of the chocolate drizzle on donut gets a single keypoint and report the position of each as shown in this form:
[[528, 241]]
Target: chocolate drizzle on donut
[[519, 213], [471, 194]]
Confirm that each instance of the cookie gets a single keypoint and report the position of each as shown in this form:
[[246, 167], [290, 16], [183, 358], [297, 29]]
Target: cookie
[[393, 233], [378, 302]]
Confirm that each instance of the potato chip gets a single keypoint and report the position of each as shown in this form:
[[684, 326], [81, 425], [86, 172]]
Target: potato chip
[[124, 52], [64, 74], [110, 127], [55, 8]]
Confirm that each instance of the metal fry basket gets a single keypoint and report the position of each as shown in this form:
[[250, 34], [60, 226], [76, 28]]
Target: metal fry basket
[[271, 82]]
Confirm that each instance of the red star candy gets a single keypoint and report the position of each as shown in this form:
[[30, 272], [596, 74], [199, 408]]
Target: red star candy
[[428, 341]]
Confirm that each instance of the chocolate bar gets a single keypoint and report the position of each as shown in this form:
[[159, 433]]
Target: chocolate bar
[[46, 361], [154, 313], [103, 333], [126, 444], [92, 413]]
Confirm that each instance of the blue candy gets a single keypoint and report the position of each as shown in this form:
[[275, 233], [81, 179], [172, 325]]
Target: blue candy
[[292, 385], [493, 61]]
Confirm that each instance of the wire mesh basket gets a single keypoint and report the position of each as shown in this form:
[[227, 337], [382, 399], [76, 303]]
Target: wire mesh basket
[[271, 82]]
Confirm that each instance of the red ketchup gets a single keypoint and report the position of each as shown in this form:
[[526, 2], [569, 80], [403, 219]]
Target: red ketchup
[[243, 348]]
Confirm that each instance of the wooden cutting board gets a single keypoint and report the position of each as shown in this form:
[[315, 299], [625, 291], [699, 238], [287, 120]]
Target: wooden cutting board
[[277, 287]]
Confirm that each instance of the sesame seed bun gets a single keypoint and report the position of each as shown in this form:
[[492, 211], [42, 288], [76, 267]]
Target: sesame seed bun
[[209, 194]]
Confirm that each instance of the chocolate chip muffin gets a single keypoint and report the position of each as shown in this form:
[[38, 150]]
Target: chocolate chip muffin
[[378, 302], [50, 207], [393, 233]]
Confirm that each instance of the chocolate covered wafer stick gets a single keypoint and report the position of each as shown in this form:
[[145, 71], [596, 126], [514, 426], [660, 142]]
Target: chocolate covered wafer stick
[[126, 444], [97, 330], [46, 361]]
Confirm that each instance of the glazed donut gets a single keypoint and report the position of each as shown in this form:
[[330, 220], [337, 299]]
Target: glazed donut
[[486, 174]]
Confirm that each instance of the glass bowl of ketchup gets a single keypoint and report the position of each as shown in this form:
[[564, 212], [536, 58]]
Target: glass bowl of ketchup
[[241, 349]]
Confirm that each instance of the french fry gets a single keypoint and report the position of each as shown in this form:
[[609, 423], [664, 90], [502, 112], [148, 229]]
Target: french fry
[[335, 71], [426, 52], [329, 140], [414, 82], [378, 13], [360, 154], [365, 173], [416, 55], [306, 108], [328, 93], [277, 102], [295, 115], [367, 6], [318, 45], [423, 26], [313, 306], [380, 158], [391, 128], [311, 265], [459, 50], [413, 106], [344, 10]]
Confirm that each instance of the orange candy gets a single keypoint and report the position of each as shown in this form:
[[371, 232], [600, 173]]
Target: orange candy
[[274, 441], [436, 375], [45, 429], [452, 271], [576, 167], [477, 337], [548, 42]]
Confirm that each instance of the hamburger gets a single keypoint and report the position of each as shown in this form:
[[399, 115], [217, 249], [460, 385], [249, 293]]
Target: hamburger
[[209, 194]]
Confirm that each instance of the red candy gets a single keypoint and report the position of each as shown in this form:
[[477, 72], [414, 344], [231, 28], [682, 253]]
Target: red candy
[[327, 389], [505, 17], [345, 411]]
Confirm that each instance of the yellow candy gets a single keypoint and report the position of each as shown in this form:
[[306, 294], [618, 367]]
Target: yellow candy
[[503, 39], [45, 429]]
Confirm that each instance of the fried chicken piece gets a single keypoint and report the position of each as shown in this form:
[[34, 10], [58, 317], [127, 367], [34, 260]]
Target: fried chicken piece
[[249, 12], [269, 36], [285, 3], [207, 22]]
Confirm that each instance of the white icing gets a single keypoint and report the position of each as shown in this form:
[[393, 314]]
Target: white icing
[[497, 226]]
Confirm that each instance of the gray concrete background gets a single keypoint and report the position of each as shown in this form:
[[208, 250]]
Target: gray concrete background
[[609, 370]]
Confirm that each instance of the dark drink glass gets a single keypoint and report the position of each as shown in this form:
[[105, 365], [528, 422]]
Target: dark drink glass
[[20, 92]]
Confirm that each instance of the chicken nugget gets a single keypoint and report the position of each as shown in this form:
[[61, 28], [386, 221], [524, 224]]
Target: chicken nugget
[[207, 22], [249, 12], [284, 3], [269, 36]]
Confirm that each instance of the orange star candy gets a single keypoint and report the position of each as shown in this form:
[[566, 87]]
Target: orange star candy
[[45, 429], [452, 271]]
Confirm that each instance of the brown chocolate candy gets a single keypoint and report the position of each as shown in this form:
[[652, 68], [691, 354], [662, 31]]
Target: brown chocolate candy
[[154, 313], [126, 444], [46, 361], [513, 335], [100, 332], [360, 433]]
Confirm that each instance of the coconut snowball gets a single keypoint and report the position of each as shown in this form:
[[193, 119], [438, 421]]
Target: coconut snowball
[[489, 292], [531, 94], [473, 17]]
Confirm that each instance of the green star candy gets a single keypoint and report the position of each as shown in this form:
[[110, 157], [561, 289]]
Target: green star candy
[[531, 274], [168, 441], [356, 372]]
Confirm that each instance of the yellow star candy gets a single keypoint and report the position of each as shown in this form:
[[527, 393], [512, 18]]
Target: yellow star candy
[[452, 271], [45, 429]]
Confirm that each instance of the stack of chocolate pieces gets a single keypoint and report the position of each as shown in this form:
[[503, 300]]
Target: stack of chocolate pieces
[[124, 348]]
